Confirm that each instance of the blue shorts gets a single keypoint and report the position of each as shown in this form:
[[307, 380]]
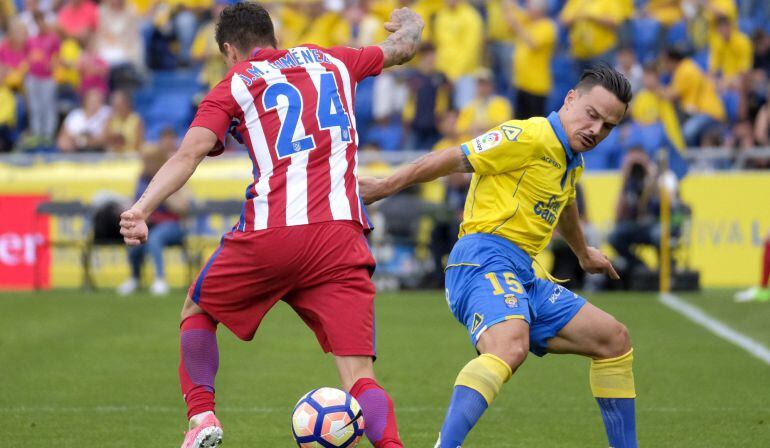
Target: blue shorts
[[490, 280]]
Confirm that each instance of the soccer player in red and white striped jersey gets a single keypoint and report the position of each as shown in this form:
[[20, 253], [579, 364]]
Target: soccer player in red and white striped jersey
[[300, 237]]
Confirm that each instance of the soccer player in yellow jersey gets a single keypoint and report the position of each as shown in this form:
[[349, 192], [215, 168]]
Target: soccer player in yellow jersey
[[523, 187]]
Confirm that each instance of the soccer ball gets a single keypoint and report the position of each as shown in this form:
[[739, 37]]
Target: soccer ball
[[328, 418]]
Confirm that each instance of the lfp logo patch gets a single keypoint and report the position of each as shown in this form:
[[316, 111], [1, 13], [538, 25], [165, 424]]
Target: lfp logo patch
[[487, 141]]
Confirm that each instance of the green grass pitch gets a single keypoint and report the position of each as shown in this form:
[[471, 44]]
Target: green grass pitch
[[95, 370]]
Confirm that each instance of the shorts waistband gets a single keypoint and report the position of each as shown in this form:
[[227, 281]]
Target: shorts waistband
[[516, 251]]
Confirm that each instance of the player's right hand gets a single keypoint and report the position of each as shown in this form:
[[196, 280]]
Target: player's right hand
[[402, 16], [371, 189], [133, 227]]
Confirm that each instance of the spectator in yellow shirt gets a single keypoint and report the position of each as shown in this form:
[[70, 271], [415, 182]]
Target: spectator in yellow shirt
[[696, 96], [7, 10], [186, 21], [650, 106], [593, 30], [7, 113], [206, 50], [458, 37], [667, 12], [535, 35], [500, 43], [731, 55], [290, 22], [366, 27], [326, 28], [486, 110], [124, 132]]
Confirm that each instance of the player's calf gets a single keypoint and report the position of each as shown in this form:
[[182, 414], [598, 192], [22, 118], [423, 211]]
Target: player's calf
[[503, 349], [357, 376], [198, 364], [379, 414]]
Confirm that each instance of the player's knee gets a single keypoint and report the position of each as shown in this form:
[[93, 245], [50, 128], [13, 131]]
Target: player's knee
[[616, 343], [189, 308], [513, 351]]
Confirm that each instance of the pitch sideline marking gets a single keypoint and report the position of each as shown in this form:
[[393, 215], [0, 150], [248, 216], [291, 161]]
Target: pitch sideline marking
[[695, 314]]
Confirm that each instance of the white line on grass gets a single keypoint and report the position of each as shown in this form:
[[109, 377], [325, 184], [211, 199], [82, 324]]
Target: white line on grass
[[720, 329]]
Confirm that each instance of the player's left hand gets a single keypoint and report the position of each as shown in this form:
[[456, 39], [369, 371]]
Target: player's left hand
[[595, 262], [133, 227]]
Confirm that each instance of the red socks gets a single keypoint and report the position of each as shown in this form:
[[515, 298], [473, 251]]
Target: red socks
[[766, 265], [198, 363], [379, 417]]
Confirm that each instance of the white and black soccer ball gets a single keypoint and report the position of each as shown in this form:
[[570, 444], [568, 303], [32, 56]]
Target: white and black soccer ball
[[329, 418]]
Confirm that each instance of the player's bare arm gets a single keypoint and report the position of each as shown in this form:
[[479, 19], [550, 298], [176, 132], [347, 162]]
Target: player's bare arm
[[401, 46], [424, 169], [197, 143], [591, 259]]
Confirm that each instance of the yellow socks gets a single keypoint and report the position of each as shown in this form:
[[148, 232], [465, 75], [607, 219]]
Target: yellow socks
[[485, 374], [613, 378]]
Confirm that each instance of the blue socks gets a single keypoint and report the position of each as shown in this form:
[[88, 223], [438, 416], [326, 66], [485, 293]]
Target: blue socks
[[619, 420], [464, 411]]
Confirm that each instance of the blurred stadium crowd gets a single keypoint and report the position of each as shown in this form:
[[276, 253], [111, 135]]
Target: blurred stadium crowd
[[123, 77], [80, 76]]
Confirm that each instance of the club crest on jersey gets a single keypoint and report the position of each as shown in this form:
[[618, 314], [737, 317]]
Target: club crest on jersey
[[487, 141], [511, 301], [511, 132]]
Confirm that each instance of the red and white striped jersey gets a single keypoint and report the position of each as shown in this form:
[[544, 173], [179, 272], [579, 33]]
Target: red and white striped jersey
[[294, 111]]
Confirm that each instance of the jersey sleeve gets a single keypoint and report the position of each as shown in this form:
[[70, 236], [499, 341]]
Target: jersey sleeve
[[215, 113], [361, 62], [575, 176], [504, 148]]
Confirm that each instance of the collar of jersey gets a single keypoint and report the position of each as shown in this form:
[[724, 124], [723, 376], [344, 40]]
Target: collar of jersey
[[561, 134], [573, 160]]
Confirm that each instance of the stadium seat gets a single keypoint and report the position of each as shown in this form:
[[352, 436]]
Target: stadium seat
[[731, 100], [606, 155], [71, 211], [747, 25], [386, 136], [646, 38], [702, 59], [677, 35], [167, 101], [364, 108], [167, 110], [564, 78]]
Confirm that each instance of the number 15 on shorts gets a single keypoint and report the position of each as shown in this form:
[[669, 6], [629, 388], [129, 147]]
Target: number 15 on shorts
[[510, 280]]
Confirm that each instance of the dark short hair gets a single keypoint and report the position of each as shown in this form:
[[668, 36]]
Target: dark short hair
[[678, 52], [723, 20], [607, 77], [245, 25]]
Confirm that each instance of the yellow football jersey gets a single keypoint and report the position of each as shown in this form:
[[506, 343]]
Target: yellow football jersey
[[524, 175]]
